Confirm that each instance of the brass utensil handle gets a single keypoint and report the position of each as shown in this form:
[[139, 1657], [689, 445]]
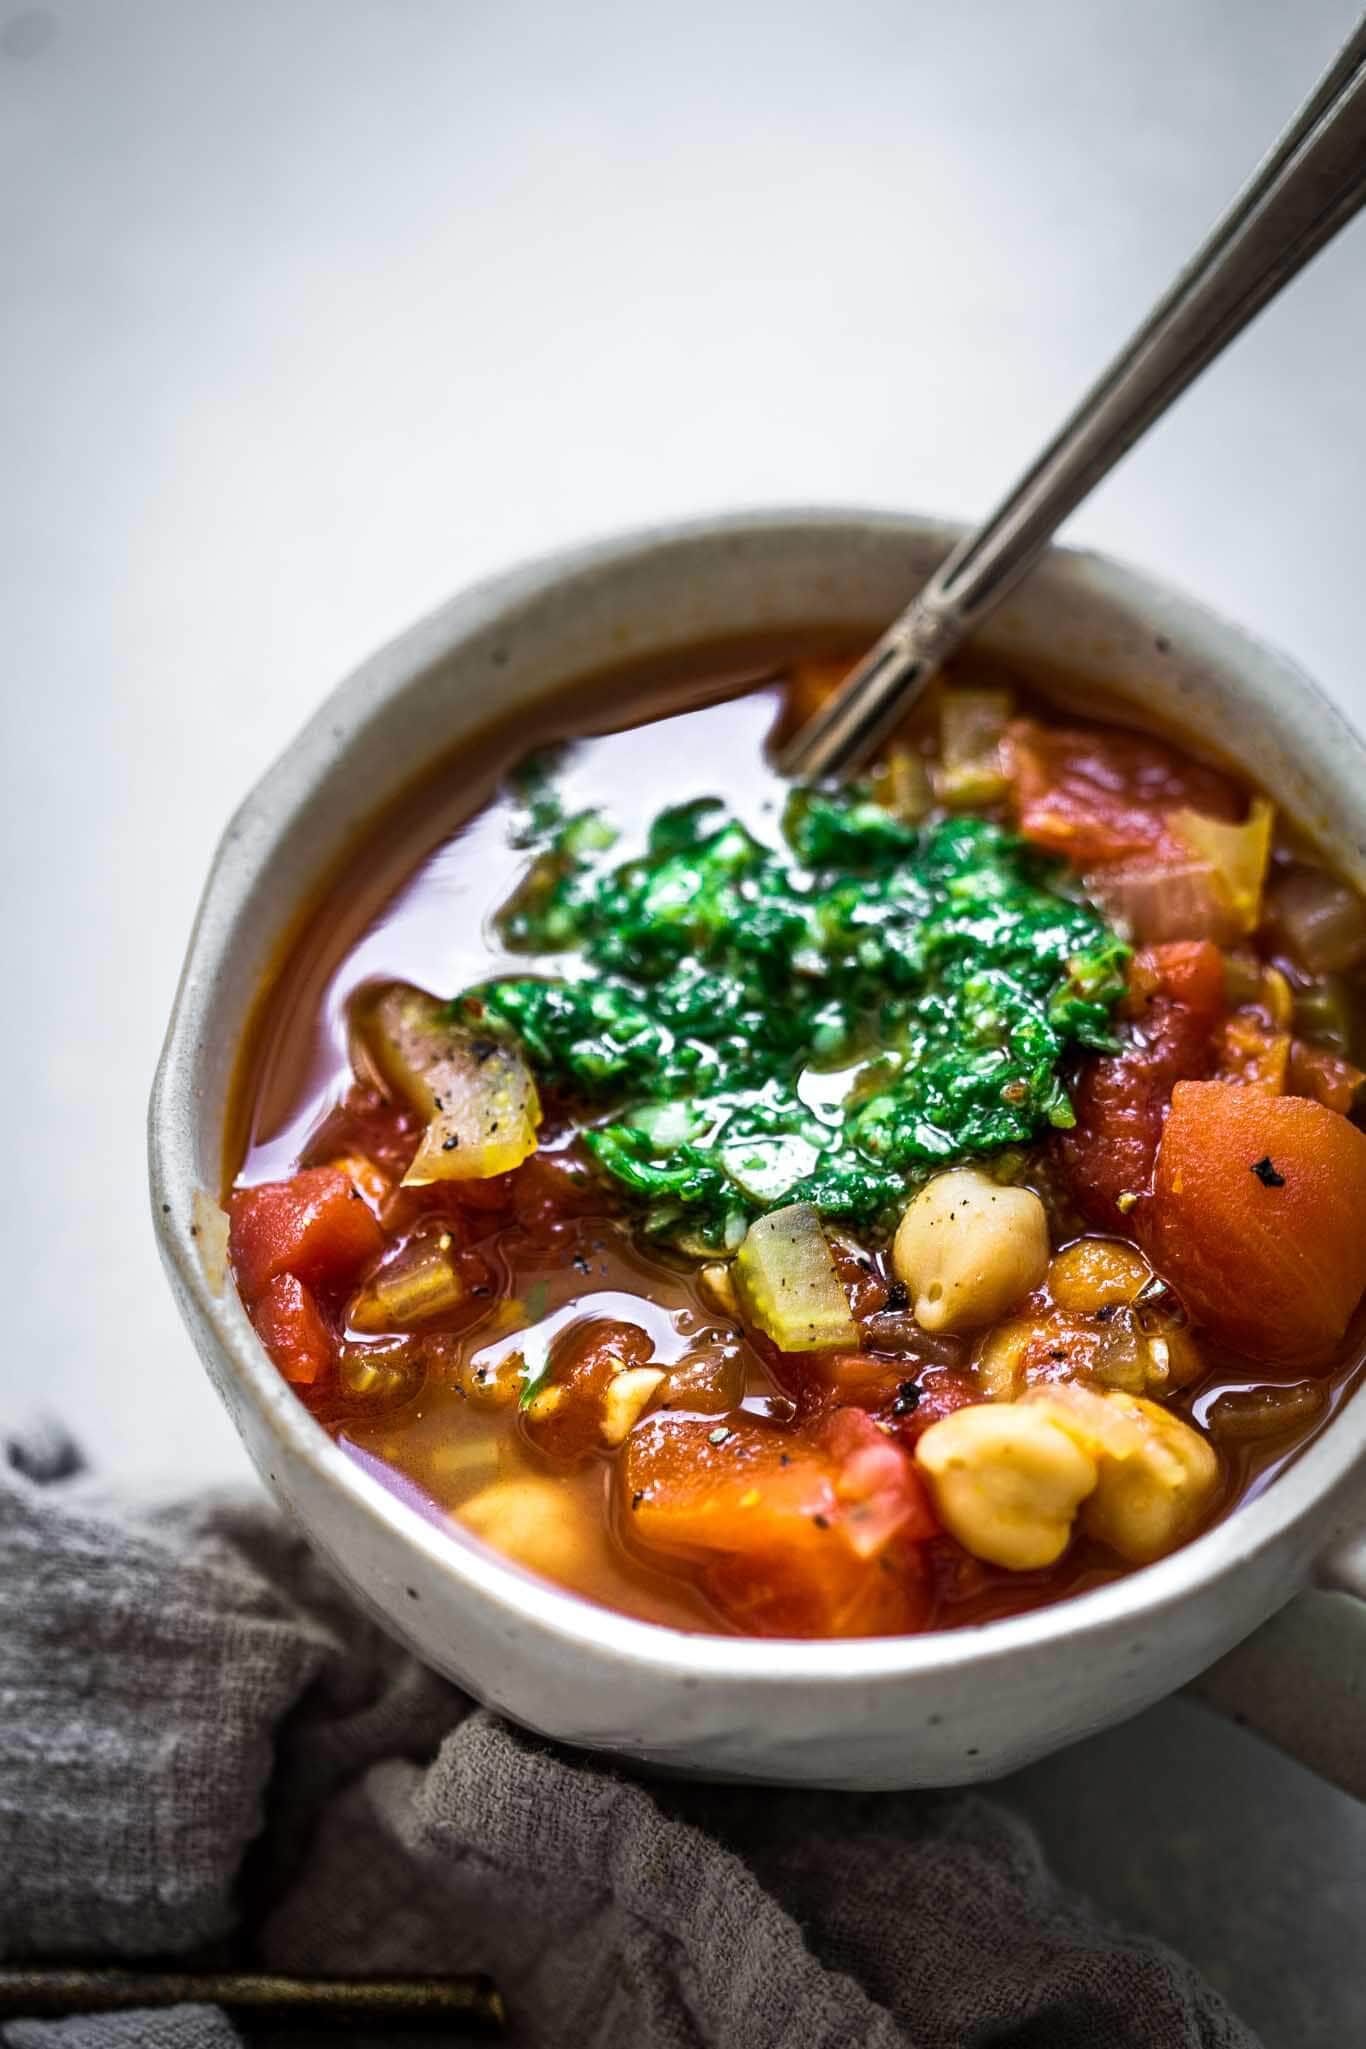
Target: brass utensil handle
[[1309, 187], [470, 2004]]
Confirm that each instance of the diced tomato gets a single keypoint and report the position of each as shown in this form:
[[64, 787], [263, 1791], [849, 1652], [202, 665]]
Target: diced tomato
[[290, 1325], [939, 1391], [1325, 1076], [797, 1534], [554, 1189], [860, 1279], [883, 1496], [1175, 1004], [564, 1418], [1095, 794], [863, 1379], [544, 1196], [368, 1123], [315, 1226], [1256, 1219]]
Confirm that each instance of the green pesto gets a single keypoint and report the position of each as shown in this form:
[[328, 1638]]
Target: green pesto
[[944, 968]]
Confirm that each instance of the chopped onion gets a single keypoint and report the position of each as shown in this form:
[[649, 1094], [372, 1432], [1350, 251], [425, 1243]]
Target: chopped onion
[[972, 730], [1245, 1414], [785, 1275], [1253, 1055], [999, 1365], [1123, 1357], [1154, 901], [1327, 1077], [1322, 921], [379, 1375], [1236, 855], [476, 1093]]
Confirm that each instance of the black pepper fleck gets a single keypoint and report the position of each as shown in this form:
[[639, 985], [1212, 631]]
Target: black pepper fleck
[[1267, 1174], [822, 1522], [898, 1296], [448, 1145]]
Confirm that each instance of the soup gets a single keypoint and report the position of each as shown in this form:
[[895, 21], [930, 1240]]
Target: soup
[[815, 1211]]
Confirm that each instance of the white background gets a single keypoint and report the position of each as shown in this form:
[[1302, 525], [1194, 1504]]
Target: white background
[[315, 309]]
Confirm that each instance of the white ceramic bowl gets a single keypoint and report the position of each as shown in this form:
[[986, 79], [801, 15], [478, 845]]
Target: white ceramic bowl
[[917, 1711]]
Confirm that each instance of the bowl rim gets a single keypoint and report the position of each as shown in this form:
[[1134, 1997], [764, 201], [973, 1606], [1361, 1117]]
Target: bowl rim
[[1300, 1495]]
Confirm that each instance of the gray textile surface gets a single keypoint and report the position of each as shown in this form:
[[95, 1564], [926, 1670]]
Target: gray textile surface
[[170, 2027], [205, 1748]]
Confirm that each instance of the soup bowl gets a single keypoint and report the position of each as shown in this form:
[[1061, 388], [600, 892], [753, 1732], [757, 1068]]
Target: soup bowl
[[937, 1709]]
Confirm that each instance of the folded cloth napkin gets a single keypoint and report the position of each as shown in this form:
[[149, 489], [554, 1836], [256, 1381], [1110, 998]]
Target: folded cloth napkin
[[207, 1750]]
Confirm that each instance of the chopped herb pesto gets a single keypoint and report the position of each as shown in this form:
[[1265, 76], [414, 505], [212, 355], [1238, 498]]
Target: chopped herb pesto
[[823, 1023]]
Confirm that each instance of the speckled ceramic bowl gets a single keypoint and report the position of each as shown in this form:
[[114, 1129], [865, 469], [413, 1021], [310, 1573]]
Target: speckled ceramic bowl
[[916, 1711]]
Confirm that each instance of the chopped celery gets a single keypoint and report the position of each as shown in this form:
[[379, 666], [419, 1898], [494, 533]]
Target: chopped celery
[[786, 1279], [477, 1093], [421, 1283], [972, 730], [901, 784], [1323, 1015]]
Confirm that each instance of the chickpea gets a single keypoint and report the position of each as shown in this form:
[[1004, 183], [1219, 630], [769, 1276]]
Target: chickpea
[[1007, 1481], [535, 1520], [1157, 1475], [969, 1249]]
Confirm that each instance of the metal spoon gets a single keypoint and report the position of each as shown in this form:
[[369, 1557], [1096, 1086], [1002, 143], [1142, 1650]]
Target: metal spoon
[[1310, 186]]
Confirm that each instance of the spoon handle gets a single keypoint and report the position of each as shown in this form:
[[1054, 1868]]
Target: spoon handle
[[1310, 186]]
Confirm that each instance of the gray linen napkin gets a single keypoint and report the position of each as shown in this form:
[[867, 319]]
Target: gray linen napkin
[[205, 1747]]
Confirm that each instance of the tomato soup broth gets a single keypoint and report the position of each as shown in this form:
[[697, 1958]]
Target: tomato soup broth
[[626, 1259]]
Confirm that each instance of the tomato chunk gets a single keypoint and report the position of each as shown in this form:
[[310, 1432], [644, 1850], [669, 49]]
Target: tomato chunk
[[1097, 795], [1256, 1219], [315, 1226], [290, 1325], [815, 1534], [565, 1416], [1175, 1004]]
